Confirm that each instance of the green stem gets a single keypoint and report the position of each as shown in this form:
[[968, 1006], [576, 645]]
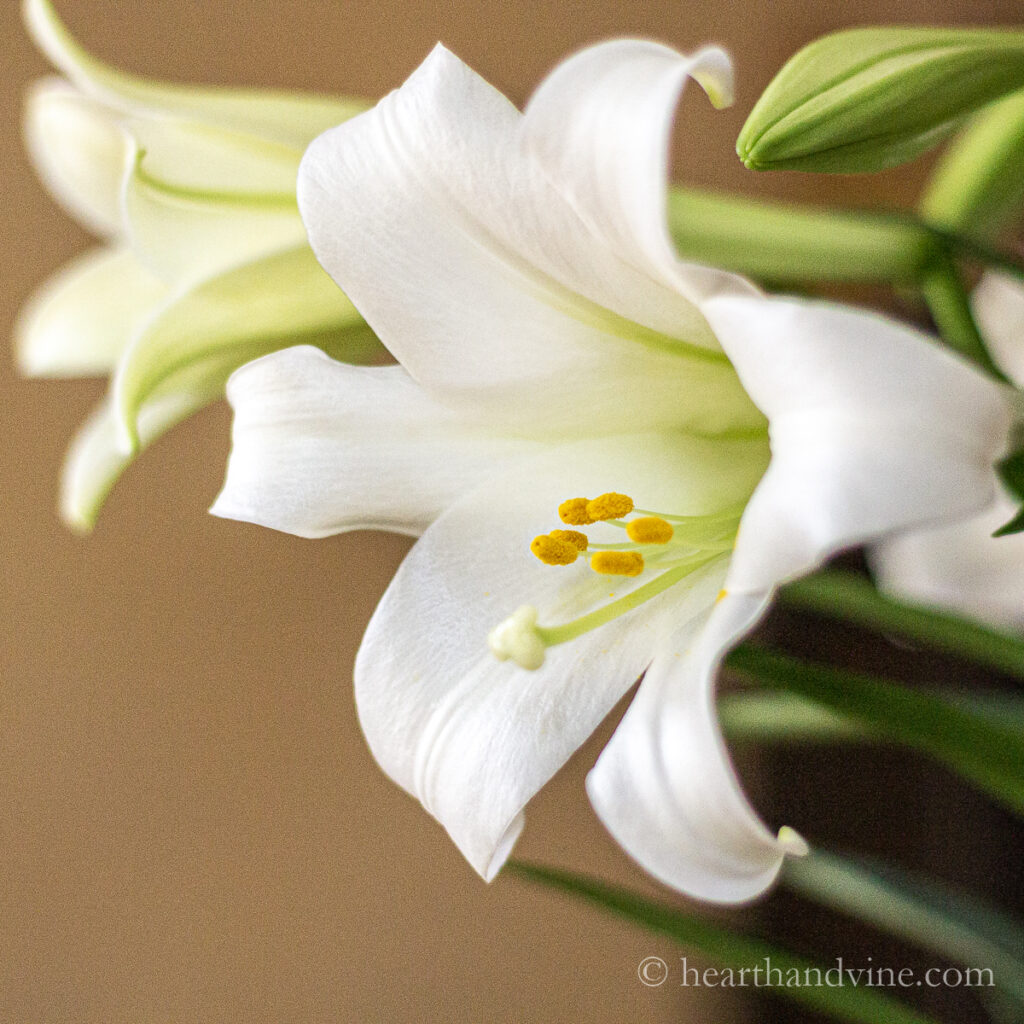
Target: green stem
[[856, 1005], [943, 290], [846, 596]]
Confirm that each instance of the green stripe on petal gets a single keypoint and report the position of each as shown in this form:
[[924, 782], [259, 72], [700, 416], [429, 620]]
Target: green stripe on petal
[[281, 300], [206, 163], [291, 118], [81, 320], [187, 237]]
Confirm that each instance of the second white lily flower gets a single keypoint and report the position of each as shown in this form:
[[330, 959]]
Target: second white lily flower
[[553, 347]]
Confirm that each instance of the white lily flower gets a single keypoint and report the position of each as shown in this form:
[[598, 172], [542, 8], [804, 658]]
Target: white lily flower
[[204, 262], [552, 346], [960, 566]]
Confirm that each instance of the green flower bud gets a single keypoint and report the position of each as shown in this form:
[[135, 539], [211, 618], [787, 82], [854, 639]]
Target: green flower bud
[[871, 98], [977, 189]]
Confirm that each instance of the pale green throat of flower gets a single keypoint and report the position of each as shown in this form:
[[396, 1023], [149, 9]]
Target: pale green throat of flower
[[669, 547]]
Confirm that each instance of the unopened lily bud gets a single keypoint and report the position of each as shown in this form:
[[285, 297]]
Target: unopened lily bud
[[871, 98]]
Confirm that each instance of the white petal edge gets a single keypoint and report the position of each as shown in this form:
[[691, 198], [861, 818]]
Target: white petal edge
[[664, 785], [960, 567], [319, 447], [79, 151], [601, 125], [873, 428], [83, 318], [485, 284], [998, 304], [474, 738]]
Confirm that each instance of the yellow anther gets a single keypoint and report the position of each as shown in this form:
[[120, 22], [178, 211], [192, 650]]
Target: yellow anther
[[617, 563], [722, 595], [650, 530], [574, 537], [609, 506], [552, 551], [574, 512]]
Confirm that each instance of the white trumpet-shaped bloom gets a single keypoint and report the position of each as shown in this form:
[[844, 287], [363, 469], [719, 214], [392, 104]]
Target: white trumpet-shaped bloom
[[203, 263], [960, 566], [553, 349]]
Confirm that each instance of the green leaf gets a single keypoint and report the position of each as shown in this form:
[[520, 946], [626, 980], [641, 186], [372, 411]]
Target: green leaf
[[726, 948], [294, 119], [1015, 525], [924, 912], [986, 752], [852, 598], [870, 98], [759, 717], [785, 242], [1011, 472], [784, 718]]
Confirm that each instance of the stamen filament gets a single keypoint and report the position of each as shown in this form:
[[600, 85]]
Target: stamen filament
[[552, 635]]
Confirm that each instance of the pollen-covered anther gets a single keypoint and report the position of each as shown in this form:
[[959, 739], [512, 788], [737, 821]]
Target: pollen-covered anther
[[649, 530], [517, 639], [617, 563], [573, 537], [553, 550], [609, 506], [574, 512]]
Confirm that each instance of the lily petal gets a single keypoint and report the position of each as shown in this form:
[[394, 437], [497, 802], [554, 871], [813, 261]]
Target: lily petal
[[203, 162], [319, 447], [873, 429], [487, 286], [225, 321], [187, 237], [664, 785], [998, 303], [290, 118], [79, 151], [96, 459], [960, 567], [82, 319], [474, 738], [601, 125]]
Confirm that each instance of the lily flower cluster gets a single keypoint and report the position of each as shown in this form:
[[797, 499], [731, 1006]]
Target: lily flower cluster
[[555, 354], [203, 263]]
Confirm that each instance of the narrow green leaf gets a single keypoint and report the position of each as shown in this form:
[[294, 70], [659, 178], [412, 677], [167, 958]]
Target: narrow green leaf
[[924, 912], [988, 753], [753, 716], [852, 598], [869, 98], [1015, 525], [758, 717], [786, 242], [726, 948]]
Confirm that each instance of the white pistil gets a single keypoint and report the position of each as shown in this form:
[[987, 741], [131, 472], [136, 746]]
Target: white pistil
[[517, 639]]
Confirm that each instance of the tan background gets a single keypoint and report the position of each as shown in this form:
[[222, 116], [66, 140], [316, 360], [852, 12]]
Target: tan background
[[190, 825]]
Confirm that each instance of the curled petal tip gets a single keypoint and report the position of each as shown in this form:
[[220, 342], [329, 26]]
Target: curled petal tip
[[792, 842]]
